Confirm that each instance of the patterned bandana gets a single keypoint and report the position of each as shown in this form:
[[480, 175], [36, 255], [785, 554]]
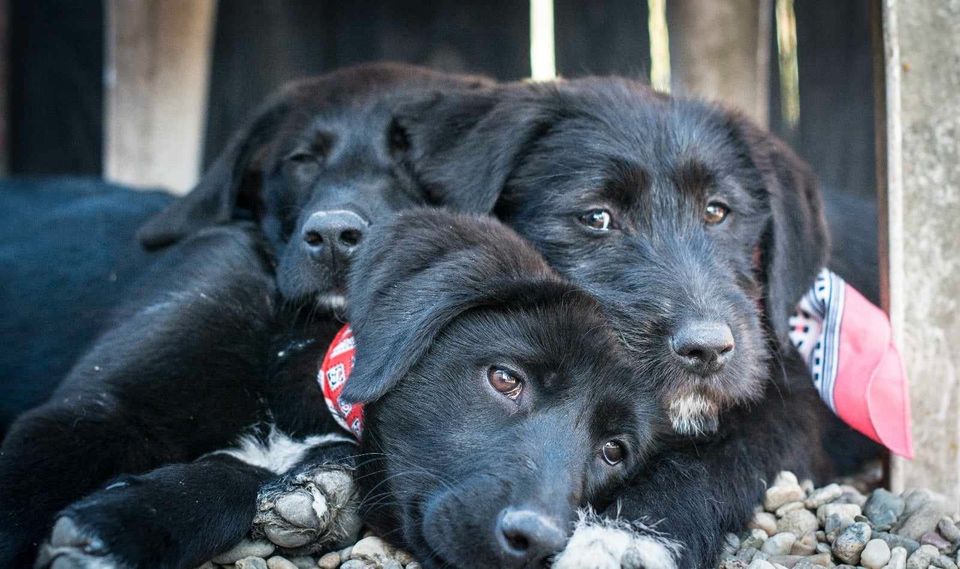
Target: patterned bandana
[[332, 377], [847, 344]]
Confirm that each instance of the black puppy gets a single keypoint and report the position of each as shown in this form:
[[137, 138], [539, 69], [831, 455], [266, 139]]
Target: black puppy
[[497, 401], [697, 232], [224, 333]]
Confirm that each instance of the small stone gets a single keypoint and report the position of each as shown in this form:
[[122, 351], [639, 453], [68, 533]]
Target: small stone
[[277, 562], [823, 496], [821, 536], [798, 522], [405, 558], [394, 564], [776, 496], [329, 561], [764, 521], [778, 566], [843, 510], [780, 544], [728, 564], [305, 562], [807, 486], [923, 557], [851, 496], [922, 510], [850, 542], [823, 548], [898, 559], [806, 545], [875, 555], [251, 563], [345, 553], [815, 561], [787, 508], [945, 562], [935, 539], [786, 478], [834, 525], [949, 530], [883, 508], [246, 548], [760, 564], [787, 561], [290, 538], [754, 539], [356, 564], [895, 541], [414, 565], [747, 554], [372, 548]]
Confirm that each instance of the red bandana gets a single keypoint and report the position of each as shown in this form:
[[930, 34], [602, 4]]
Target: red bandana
[[332, 377]]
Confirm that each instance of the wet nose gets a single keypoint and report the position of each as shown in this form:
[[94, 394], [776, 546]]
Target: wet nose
[[703, 347], [340, 230], [528, 537]]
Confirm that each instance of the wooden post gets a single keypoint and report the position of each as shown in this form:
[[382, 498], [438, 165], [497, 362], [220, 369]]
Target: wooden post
[[157, 69], [920, 243], [721, 51]]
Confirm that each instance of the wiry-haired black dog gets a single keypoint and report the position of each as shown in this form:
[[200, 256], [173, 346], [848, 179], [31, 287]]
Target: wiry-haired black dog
[[497, 399], [225, 333], [697, 232]]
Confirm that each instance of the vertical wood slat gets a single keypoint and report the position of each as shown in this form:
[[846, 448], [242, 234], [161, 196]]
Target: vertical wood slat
[[721, 51], [157, 68], [921, 237]]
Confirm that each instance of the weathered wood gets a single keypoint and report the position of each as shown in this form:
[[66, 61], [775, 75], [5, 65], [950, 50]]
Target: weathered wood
[[156, 90], [721, 51], [602, 38], [922, 235]]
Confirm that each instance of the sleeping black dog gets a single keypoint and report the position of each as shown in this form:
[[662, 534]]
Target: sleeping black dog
[[697, 233], [225, 329]]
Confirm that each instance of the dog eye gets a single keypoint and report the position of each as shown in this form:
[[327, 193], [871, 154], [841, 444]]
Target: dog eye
[[505, 382], [715, 213], [597, 219], [613, 452]]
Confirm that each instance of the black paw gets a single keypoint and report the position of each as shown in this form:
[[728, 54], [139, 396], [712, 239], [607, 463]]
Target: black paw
[[309, 510]]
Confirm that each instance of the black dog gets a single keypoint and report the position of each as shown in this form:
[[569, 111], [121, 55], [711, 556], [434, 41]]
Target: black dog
[[697, 232], [224, 332]]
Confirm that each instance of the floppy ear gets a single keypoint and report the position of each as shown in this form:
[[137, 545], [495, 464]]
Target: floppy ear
[[796, 240], [465, 144], [228, 181], [416, 275]]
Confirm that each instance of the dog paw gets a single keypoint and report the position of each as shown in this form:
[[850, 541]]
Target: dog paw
[[73, 546], [601, 543], [309, 510]]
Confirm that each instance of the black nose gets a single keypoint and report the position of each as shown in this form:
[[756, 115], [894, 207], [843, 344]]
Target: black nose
[[703, 346], [526, 536], [340, 230]]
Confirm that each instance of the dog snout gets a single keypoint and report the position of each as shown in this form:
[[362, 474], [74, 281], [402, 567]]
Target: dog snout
[[528, 537], [703, 346], [340, 230]]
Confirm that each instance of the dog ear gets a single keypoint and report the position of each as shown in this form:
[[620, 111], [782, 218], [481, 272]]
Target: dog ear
[[465, 143], [419, 273], [796, 242], [230, 180]]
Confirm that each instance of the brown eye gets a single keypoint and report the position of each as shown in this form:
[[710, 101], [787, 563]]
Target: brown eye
[[597, 219], [505, 382], [613, 452], [715, 213]]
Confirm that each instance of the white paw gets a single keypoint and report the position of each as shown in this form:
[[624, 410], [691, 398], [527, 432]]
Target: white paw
[[309, 511], [73, 547], [602, 543]]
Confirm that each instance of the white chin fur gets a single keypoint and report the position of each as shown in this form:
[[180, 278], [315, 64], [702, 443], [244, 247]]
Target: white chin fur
[[603, 543], [694, 414], [332, 301]]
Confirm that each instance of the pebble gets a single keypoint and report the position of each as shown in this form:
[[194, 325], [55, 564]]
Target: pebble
[[883, 508], [414, 565], [894, 540], [935, 539], [798, 522], [304, 562], [246, 548], [787, 561], [251, 563], [923, 557], [754, 539], [356, 564], [787, 508], [780, 544], [898, 559], [345, 553], [850, 542], [834, 525], [843, 510], [822, 496], [372, 548], [277, 562], [765, 521], [949, 530], [851, 496], [405, 558], [391, 564], [777, 496], [329, 561], [760, 564], [875, 555], [923, 510], [806, 545]]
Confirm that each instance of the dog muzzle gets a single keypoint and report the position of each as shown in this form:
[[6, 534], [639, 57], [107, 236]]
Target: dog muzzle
[[848, 346], [333, 374]]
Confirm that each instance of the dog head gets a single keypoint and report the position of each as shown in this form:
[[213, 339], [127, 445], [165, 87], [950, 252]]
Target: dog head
[[497, 400], [695, 230], [316, 166]]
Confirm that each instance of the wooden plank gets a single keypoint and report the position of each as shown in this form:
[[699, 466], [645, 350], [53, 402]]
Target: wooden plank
[[602, 38], [922, 236], [157, 57], [721, 51]]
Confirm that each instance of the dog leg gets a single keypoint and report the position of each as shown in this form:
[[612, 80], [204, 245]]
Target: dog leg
[[312, 507], [604, 543], [174, 517]]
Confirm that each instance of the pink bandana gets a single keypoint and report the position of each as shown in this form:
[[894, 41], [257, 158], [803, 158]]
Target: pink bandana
[[332, 377], [847, 344]]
